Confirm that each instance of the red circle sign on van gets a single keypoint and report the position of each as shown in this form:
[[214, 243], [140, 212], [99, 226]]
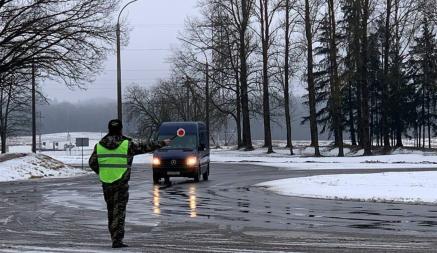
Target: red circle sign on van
[[181, 132]]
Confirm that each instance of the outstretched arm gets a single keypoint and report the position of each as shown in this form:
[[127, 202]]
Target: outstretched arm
[[142, 148]]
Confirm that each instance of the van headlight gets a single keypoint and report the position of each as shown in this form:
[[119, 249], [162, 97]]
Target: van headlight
[[156, 161], [191, 161]]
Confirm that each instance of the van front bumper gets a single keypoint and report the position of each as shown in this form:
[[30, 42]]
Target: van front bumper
[[171, 172]]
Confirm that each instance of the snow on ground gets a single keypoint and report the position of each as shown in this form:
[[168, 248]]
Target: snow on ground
[[301, 161], [29, 166], [409, 187]]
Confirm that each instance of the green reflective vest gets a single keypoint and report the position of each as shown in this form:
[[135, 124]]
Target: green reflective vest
[[113, 164]]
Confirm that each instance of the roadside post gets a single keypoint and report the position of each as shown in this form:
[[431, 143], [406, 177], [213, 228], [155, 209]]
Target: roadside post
[[82, 142]]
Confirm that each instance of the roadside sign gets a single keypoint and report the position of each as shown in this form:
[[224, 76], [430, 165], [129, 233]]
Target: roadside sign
[[82, 142]]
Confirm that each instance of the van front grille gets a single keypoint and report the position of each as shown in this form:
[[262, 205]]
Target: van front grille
[[173, 164]]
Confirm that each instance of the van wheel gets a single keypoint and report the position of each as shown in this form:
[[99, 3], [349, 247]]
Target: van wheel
[[206, 174], [198, 175], [156, 178]]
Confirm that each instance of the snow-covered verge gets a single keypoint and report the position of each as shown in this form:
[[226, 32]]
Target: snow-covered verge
[[408, 187], [30, 166], [399, 159]]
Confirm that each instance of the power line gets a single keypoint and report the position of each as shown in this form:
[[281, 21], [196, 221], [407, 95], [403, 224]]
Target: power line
[[146, 49], [136, 70], [160, 24], [127, 79]]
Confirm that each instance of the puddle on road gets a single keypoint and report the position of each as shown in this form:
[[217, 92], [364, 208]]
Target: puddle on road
[[366, 212], [427, 223], [379, 226]]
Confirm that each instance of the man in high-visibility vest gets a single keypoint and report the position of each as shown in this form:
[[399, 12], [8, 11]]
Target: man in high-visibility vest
[[112, 161]]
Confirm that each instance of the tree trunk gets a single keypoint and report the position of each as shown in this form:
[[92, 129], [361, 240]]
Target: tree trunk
[[2, 127], [351, 117], [372, 122], [6, 115], [311, 83], [335, 81], [356, 56], [247, 136], [378, 121], [3, 139], [265, 40], [429, 119], [238, 118], [385, 97], [33, 110], [364, 81], [287, 77], [399, 123], [207, 98]]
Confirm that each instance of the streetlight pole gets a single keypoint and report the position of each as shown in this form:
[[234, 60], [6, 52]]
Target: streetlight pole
[[119, 88]]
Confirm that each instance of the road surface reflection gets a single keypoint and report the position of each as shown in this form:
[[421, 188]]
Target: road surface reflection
[[192, 200], [156, 200]]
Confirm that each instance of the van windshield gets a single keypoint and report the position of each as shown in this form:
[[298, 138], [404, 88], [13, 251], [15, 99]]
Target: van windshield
[[189, 141]]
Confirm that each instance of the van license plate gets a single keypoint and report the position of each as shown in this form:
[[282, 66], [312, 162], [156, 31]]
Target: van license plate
[[173, 173]]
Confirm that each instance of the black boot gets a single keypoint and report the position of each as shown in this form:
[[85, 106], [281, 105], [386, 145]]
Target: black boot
[[117, 245]]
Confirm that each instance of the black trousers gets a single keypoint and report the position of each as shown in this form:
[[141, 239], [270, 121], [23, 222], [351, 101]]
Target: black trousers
[[116, 197]]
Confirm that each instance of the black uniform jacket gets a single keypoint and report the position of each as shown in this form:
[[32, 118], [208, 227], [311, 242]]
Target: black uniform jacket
[[113, 142]]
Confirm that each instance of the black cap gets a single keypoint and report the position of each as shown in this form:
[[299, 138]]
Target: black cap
[[115, 126]]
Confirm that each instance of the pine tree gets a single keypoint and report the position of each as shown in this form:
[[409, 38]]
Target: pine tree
[[375, 87], [350, 32], [423, 74], [322, 79]]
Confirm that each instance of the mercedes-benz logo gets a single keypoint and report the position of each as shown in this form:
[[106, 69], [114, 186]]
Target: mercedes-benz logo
[[173, 162]]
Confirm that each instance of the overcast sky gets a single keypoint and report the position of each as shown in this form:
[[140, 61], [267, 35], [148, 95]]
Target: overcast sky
[[155, 26]]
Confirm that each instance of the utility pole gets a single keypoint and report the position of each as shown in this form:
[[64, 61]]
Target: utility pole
[[119, 88], [119, 92], [33, 109]]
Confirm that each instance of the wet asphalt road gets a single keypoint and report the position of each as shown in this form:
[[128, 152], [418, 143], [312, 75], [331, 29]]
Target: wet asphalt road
[[226, 214]]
